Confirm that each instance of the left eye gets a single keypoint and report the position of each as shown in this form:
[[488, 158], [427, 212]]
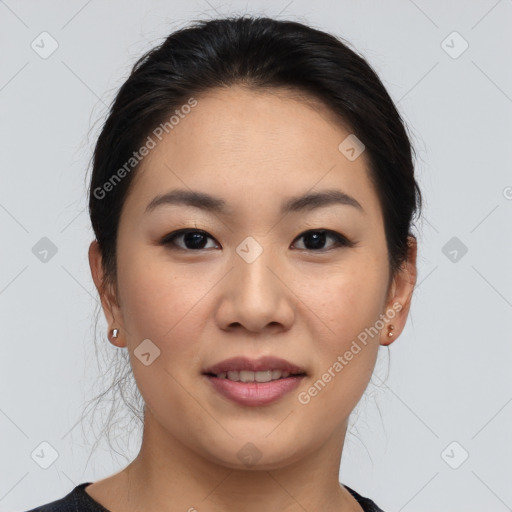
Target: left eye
[[315, 239], [318, 237]]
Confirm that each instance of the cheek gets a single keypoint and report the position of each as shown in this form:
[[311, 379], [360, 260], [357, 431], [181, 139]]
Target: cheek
[[349, 303], [163, 302], [350, 298], [158, 297], [160, 302]]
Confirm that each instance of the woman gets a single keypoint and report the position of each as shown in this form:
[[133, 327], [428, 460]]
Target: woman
[[252, 196]]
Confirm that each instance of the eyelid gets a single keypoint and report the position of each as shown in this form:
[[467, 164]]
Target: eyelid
[[340, 240], [170, 237]]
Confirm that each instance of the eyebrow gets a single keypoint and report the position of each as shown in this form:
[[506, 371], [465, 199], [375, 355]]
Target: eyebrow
[[207, 202]]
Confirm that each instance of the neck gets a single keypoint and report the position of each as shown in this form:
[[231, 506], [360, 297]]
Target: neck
[[167, 475]]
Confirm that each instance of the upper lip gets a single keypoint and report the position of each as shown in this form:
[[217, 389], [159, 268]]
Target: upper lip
[[255, 365]]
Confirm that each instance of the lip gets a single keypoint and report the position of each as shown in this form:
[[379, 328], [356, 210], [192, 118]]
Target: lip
[[255, 365], [254, 393]]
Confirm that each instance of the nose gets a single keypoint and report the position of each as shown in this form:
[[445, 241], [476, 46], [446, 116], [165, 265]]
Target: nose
[[255, 294]]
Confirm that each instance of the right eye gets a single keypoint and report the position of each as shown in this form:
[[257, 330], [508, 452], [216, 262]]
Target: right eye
[[193, 238]]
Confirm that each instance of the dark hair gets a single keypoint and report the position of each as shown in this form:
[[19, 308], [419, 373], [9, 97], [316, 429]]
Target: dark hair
[[259, 53]]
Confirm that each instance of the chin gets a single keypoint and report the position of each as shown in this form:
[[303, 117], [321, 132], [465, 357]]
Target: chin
[[257, 454]]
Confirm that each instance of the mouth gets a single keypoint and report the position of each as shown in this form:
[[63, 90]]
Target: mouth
[[265, 369], [249, 376], [254, 382]]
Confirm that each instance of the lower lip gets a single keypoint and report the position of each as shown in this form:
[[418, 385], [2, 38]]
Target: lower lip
[[254, 393]]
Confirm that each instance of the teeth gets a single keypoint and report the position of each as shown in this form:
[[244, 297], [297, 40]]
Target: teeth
[[263, 376], [247, 376], [234, 376], [250, 376]]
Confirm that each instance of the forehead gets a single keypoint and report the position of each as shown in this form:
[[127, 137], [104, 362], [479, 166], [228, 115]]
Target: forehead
[[264, 144]]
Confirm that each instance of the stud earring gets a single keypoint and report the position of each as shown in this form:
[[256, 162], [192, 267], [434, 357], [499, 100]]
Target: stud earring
[[115, 332], [391, 327]]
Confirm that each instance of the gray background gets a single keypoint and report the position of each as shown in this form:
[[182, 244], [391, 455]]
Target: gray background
[[449, 373]]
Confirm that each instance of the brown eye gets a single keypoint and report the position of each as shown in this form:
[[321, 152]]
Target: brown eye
[[315, 240], [193, 239]]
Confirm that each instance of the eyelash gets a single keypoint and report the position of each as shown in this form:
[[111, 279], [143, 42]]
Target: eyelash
[[340, 240]]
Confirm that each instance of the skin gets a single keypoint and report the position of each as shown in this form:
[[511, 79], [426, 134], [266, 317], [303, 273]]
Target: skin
[[201, 306]]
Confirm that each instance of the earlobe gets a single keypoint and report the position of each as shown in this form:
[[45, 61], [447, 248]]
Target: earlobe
[[401, 291], [114, 338], [390, 335]]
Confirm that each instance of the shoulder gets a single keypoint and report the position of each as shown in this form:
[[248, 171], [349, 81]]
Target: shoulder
[[366, 503], [76, 500]]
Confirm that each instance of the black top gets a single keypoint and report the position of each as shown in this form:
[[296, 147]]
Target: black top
[[79, 501]]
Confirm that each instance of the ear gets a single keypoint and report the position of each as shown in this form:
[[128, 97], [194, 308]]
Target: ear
[[109, 300], [400, 292]]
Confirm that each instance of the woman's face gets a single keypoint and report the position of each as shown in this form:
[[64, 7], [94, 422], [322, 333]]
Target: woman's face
[[254, 283]]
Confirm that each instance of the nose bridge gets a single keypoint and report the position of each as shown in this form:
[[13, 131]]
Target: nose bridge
[[256, 295], [252, 268]]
